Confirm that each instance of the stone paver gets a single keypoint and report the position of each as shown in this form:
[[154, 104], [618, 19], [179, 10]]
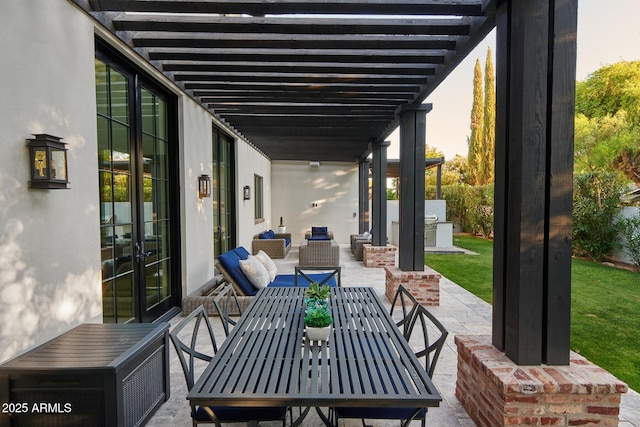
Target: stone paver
[[460, 311]]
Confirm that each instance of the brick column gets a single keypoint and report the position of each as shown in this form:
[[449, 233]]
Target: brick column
[[424, 285], [496, 392], [378, 256]]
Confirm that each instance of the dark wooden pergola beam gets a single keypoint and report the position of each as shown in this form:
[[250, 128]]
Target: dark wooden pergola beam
[[260, 8]]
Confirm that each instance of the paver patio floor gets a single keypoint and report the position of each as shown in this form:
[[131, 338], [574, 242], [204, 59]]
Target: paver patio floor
[[460, 311]]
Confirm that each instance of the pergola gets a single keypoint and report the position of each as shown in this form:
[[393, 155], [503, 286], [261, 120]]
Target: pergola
[[328, 80]]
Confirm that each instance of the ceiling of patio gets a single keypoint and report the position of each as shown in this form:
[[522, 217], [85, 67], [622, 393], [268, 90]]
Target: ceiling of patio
[[302, 80]]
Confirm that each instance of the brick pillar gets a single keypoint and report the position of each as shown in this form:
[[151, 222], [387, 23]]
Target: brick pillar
[[379, 256], [496, 392], [423, 285]]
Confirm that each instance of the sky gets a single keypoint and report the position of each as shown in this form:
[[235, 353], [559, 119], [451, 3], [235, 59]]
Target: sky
[[608, 32]]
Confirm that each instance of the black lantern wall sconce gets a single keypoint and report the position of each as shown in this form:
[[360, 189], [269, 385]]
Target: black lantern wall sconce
[[204, 186], [246, 192], [48, 160]]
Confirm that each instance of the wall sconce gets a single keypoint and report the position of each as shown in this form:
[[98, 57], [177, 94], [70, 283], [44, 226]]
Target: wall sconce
[[48, 160], [246, 192], [204, 186]]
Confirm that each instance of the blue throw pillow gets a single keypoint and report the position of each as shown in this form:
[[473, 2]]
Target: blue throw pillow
[[264, 235], [242, 252], [272, 234], [319, 231]]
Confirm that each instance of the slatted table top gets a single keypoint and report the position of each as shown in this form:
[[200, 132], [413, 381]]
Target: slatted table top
[[267, 361]]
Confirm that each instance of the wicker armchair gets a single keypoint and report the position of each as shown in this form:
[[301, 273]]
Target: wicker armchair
[[319, 253], [277, 247]]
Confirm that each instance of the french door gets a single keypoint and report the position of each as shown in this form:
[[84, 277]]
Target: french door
[[222, 193], [139, 255]]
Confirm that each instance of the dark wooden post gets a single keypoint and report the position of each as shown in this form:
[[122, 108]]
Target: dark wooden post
[[412, 151], [535, 66], [363, 195], [379, 194]]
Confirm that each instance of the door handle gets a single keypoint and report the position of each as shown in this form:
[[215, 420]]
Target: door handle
[[141, 254]]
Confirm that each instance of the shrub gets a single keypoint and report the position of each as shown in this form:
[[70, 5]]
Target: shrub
[[630, 238], [469, 207], [596, 196]]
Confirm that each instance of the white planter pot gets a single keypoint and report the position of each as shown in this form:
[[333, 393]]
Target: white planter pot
[[318, 334], [282, 230]]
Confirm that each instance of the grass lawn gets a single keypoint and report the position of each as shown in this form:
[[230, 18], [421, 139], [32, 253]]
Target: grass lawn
[[605, 304]]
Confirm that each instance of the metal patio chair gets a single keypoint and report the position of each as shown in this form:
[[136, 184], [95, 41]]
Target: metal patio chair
[[420, 325], [214, 414], [226, 302]]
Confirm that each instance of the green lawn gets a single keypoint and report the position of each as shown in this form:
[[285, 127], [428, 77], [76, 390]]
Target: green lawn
[[605, 304]]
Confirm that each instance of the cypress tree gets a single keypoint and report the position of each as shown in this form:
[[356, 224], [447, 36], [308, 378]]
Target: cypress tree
[[475, 140], [489, 123]]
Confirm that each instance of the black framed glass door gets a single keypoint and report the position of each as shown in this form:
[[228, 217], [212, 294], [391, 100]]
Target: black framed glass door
[[139, 257], [222, 194]]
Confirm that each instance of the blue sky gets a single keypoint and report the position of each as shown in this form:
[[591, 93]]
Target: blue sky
[[608, 32]]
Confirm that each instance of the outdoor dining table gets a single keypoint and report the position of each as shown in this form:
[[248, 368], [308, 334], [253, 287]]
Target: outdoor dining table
[[268, 361]]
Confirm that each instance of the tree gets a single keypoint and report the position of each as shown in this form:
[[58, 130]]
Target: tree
[[475, 140], [609, 90], [628, 162], [489, 124]]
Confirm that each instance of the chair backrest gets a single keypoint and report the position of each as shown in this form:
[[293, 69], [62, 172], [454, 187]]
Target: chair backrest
[[431, 342], [328, 276], [224, 299], [195, 319], [408, 304]]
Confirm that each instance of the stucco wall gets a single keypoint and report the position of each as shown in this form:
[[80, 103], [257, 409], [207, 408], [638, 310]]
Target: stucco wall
[[307, 196], [49, 239], [50, 278]]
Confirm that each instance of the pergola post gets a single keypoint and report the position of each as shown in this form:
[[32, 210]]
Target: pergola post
[[363, 195], [412, 162], [379, 193], [535, 77]]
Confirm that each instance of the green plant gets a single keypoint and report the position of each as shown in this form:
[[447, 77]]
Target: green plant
[[318, 317], [604, 304], [281, 222], [315, 291], [630, 237], [596, 197]]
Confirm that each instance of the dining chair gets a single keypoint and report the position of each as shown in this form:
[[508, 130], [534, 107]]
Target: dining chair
[[213, 414], [408, 305], [426, 336], [224, 300]]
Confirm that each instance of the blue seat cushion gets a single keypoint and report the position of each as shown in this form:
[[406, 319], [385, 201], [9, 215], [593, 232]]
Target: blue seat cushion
[[241, 413], [231, 262], [319, 237], [289, 280], [380, 413], [287, 241]]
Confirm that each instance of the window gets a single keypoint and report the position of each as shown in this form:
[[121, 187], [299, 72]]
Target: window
[[259, 203]]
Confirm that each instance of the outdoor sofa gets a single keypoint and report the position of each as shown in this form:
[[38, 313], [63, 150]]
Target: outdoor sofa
[[276, 245]]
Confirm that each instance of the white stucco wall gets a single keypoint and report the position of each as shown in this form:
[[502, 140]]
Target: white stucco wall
[[250, 163], [332, 187], [50, 277], [49, 239]]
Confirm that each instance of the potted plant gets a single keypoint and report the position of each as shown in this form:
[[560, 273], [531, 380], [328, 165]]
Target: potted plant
[[318, 321], [281, 228], [317, 292]]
